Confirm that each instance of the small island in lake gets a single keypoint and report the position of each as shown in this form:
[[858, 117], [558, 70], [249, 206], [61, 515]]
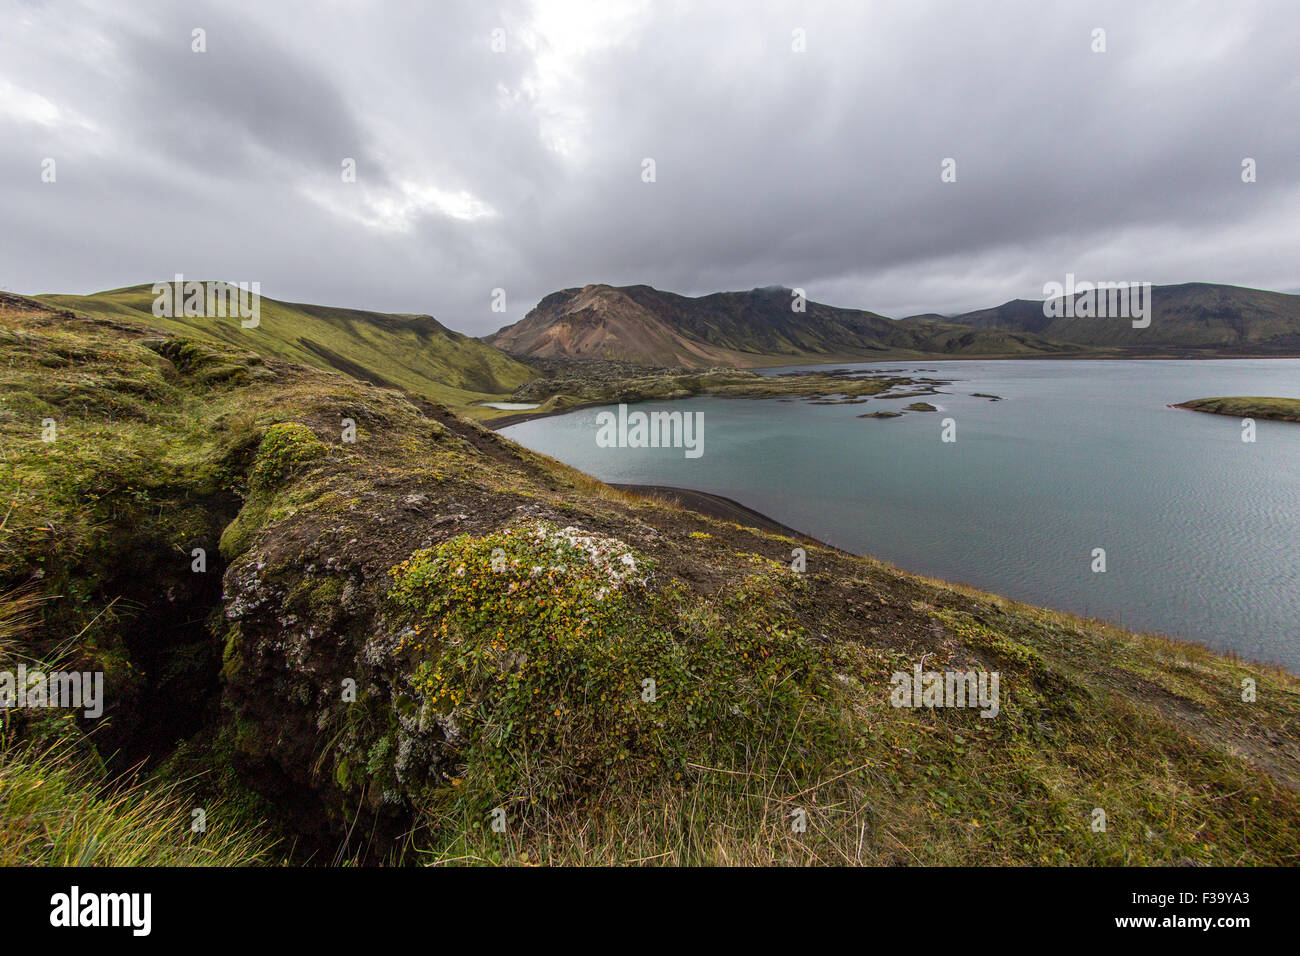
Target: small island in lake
[[1276, 409]]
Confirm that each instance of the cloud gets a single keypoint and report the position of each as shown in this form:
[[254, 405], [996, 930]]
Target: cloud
[[501, 145]]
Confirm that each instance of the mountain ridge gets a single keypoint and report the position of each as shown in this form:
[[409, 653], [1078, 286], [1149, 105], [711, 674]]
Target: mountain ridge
[[639, 323], [411, 351], [1189, 315]]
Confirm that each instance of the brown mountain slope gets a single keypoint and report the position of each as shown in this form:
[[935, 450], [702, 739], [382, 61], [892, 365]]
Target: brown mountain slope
[[599, 321]]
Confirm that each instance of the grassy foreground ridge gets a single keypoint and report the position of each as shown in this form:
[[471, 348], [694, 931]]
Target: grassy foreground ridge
[[413, 641]]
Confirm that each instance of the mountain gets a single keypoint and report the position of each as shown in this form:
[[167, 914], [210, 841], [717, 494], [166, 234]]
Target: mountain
[[1223, 319], [642, 324], [412, 352]]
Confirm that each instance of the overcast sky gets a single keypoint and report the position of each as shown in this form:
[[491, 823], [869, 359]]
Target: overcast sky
[[523, 169]]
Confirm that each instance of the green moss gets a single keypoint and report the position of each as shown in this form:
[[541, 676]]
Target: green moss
[[207, 365], [317, 597], [286, 447], [983, 638], [238, 536], [570, 677], [232, 655]]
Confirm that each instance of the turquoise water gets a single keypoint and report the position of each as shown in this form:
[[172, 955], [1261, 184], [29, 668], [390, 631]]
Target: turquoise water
[[1201, 530]]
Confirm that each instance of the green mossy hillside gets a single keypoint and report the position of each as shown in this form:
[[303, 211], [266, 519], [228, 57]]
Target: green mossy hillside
[[413, 352]]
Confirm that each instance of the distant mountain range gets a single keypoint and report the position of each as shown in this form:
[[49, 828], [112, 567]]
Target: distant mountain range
[[642, 324], [1192, 316]]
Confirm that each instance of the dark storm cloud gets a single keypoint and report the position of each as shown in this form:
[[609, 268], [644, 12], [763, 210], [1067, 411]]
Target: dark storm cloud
[[521, 169], [249, 96]]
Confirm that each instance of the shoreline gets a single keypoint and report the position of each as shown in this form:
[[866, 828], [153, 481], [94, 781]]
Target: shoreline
[[518, 418], [720, 507], [728, 509]]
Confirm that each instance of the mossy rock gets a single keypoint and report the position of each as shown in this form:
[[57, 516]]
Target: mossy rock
[[204, 363], [285, 448]]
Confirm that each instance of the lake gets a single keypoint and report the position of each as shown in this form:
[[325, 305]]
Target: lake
[[1201, 530]]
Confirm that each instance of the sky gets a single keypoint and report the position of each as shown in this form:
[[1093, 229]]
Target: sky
[[504, 146]]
